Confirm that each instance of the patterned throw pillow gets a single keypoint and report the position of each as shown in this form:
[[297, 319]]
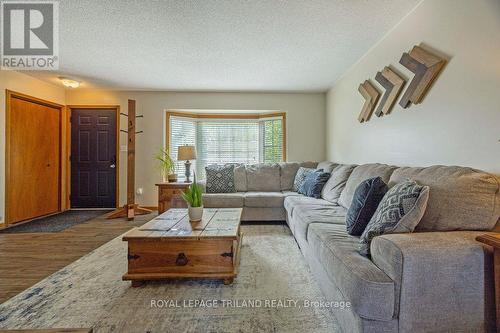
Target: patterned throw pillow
[[365, 202], [400, 210], [220, 178], [300, 177], [313, 184]]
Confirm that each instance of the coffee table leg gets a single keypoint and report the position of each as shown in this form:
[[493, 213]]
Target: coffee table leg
[[137, 283], [228, 281]]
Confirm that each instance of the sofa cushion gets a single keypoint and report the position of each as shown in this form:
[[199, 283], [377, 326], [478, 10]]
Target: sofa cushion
[[240, 178], [321, 213], [400, 211], [334, 186], [364, 204], [326, 166], [308, 164], [370, 291], [313, 184], [290, 193], [460, 198], [288, 170], [263, 177], [292, 201], [220, 178], [360, 173], [223, 200], [305, 215], [263, 199]]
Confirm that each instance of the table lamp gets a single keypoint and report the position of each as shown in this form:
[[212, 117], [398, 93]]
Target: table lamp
[[187, 153]]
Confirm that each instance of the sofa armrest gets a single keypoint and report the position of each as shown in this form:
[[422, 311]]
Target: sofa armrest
[[444, 280]]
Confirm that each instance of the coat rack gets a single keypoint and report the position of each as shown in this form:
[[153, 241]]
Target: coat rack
[[131, 208]]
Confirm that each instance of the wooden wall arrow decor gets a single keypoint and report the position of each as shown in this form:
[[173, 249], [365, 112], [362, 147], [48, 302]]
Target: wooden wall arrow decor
[[371, 95], [426, 66], [393, 84]]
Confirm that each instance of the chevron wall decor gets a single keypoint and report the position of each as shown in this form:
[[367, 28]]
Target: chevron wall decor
[[393, 85], [371, 96], [426, 66]]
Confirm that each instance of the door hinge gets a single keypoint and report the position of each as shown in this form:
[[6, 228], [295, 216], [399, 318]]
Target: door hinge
[[70, 158]]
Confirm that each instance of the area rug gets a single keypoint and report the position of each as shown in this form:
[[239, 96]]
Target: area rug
[[55, 223], [272, 293]]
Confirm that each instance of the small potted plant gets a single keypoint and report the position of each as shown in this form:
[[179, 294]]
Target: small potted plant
[[193, 197], [167, 165]]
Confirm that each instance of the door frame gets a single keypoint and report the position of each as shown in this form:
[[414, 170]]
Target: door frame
[[67, 163], [9, 95]]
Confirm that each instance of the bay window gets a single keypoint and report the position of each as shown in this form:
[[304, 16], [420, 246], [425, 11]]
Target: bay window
[[247, 138]]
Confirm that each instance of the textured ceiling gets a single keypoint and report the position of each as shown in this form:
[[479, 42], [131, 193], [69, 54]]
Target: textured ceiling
[[216, 45]]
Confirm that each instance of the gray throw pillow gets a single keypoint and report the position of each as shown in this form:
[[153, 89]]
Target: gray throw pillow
[[220, 178], [300, 177], [400, 210]]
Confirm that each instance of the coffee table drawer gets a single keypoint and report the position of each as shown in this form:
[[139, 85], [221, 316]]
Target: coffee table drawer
[[181, 256]]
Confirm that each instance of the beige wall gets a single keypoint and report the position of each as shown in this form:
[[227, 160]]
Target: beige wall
[[305, 124], [459, 120], [28, 85]]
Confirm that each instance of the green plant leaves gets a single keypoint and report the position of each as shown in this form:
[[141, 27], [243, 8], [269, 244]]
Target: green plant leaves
[[166, 164], [193, 194]]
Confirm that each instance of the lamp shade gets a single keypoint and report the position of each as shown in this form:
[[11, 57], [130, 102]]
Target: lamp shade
[[186, 153]]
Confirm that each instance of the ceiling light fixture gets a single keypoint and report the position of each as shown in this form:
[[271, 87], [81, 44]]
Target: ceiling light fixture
[[69, 83]]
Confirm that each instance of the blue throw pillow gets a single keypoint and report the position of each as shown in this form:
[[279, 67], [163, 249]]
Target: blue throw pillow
[[313, 184], [366, 199], [300, 177]]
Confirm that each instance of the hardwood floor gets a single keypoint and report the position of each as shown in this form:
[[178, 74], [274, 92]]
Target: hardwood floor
[[28, 258]]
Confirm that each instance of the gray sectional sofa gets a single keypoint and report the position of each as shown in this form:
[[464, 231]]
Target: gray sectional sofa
[[437, 279]]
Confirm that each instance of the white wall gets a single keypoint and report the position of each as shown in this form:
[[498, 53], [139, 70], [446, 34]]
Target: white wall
[[305, 124], [459, 120], [28, 85]]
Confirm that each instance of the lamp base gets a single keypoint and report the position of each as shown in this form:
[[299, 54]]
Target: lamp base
[[187, 164]]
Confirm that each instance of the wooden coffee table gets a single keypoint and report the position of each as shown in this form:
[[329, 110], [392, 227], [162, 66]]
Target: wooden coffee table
[[171, 247]]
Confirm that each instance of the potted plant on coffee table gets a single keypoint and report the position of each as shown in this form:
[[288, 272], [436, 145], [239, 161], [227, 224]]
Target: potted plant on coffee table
[[193, 197], [167, 165]]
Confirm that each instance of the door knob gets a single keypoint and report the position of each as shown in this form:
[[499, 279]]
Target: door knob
[[112, 166]]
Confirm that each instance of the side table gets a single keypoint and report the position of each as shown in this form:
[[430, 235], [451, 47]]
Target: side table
[[169, 195]]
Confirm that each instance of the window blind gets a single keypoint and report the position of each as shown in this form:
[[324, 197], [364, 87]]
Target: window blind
[[226, 140], [182, 132], [272, 140]]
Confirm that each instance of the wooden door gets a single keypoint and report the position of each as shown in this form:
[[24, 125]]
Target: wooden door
[[33, 159], [93, 158]]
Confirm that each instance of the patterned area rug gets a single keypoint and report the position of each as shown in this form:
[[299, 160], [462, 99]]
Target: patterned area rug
[[90, 293], [57, 222]]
